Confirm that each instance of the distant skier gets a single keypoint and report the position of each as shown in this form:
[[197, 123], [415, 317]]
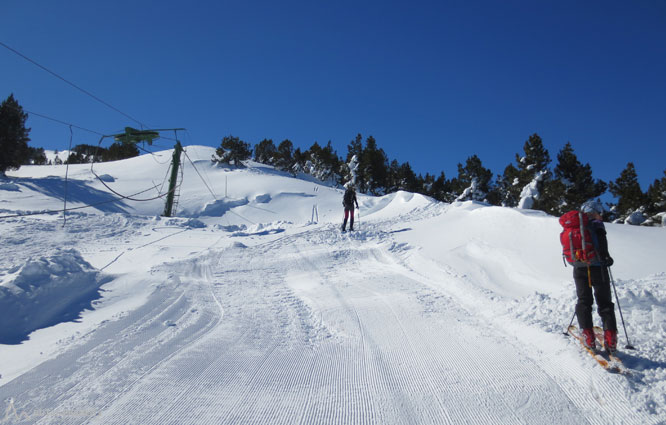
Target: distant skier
[[348, 201], [595, 278]]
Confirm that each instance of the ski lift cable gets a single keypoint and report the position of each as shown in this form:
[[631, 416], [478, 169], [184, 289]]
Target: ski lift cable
[[200, 176], [152, 154], [130, 197], [191, 142], [166, 176], [212, 193], [70, 83], [62, 122]]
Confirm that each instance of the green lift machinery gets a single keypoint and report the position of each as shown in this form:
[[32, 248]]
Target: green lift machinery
[[134, 136]]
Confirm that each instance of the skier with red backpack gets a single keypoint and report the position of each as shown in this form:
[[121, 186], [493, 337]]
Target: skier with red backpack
[[586, 248]]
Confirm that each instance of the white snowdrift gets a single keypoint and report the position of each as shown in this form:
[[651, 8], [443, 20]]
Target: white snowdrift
[[44, 292]]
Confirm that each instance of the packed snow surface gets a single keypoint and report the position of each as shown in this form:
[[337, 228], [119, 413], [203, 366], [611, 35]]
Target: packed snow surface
[[251, 306]]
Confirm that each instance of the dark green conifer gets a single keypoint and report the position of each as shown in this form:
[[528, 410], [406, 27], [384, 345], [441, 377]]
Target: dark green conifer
[[13, 135]]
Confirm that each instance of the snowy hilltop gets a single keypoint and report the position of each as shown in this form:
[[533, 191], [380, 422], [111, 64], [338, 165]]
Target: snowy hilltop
[[249, 305]]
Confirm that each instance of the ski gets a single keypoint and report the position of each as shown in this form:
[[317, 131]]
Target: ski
[[609, 365]]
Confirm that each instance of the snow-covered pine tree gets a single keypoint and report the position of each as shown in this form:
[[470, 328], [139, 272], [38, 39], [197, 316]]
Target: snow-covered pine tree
[[530, 194], [323, 163], [350, 171], [534, 177], [355, 149], [507, 187], [474, 180]]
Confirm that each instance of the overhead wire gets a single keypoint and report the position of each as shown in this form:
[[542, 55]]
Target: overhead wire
[[121, 196], [63, 122], [153, 155], [200, 176], [191, 142], [131, 197], [70, 83], [211, 190]]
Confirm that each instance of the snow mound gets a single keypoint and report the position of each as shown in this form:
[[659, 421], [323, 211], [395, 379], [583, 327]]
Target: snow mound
[[262, 199], [45, 292], [394, 204], [107, 178], [220, 207], [11, 187]]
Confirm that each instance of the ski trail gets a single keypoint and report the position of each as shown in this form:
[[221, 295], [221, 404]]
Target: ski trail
[[90, 377], [389, 355], [313, 328], [600, 397]]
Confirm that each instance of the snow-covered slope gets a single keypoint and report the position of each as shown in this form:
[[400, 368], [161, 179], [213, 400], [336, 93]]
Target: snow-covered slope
[[250, 306]]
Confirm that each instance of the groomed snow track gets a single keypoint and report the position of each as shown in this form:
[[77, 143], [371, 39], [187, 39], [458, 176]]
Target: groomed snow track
[[314, 328]]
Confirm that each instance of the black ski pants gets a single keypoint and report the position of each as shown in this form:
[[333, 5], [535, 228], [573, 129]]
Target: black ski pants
[[600, 280]]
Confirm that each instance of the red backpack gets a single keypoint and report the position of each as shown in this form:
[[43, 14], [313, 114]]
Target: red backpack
[[577, 244]]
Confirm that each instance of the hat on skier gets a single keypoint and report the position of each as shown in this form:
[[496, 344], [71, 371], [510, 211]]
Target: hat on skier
[[591, 207]]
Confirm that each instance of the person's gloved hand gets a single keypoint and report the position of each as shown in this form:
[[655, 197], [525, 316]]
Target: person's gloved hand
[[608, 261]]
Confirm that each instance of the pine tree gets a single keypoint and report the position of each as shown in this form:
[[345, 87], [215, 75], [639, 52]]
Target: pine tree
[[233, 149], [36, 156], [349, 172], [285, 155], [441, 189], [13, 135], [116, 152], [393, 179], [426, 183], [374, 167], [533, 171], [323, 163], [628, 191], [75, 158], [355, 148], [573, 184], [657, 200], [300, 159], [474, 180], [406, 178], [265, 152], [507, 187]]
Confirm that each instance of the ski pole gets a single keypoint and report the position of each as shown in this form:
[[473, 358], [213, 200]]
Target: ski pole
[[628, 346], [570, 323]]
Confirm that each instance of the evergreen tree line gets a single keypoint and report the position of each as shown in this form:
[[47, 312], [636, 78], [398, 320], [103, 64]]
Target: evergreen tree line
[[530, 182]]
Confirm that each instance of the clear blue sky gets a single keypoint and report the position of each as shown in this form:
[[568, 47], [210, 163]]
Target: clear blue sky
[[433, 82]]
